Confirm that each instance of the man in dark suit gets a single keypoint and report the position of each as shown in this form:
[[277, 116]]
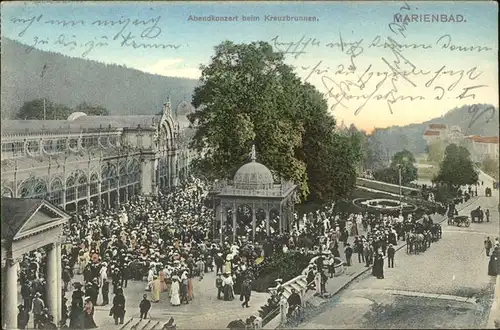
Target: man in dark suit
[[390, 256]]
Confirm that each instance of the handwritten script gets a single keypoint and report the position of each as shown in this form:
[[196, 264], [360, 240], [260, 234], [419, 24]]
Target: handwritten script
[[126, 32], [394, 77]]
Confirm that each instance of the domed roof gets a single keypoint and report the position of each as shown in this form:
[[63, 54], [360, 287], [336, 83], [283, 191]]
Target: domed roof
[[253, 175], [76, 115]]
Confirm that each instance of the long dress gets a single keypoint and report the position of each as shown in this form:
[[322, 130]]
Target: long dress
[[155, 290], [190, 294], [175, 299], [354, 228], [317, 282], [163, 284], [228, 289], [88, 320], [492, 271]]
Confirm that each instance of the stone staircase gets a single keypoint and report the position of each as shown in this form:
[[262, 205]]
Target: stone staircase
[[139, 324]]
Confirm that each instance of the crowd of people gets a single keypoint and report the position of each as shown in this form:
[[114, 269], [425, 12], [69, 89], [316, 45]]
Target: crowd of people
[[167, 242]]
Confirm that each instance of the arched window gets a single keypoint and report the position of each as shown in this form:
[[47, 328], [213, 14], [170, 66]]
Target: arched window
[[82, 185], [33, 188], [7, 192], [70, 189], [56, 191], [163, 172], [109, 178], [94, 178], [123, 174], [134, 177]]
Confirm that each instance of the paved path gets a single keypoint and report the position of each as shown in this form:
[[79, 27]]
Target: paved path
[[204, 312], [412, 295]]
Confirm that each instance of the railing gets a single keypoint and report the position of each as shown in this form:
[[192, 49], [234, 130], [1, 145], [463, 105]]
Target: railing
[[272, 314]]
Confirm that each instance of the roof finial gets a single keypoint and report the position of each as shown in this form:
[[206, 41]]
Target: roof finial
[[253, 155]]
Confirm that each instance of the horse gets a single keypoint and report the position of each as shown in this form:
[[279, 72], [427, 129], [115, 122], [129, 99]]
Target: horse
[[420, 245], [411, 242], [428, 238], [436, 231]]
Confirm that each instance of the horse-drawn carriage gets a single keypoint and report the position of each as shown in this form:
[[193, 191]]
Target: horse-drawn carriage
[[460, 220], [477, 215]]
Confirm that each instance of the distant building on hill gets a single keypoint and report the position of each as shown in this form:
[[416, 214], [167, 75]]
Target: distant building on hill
[[105, 160], [480, 147]]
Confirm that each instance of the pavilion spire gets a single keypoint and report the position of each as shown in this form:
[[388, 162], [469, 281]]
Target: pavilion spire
[[253, 155]]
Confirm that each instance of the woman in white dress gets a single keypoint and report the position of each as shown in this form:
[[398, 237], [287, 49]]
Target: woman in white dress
[[175, 299]]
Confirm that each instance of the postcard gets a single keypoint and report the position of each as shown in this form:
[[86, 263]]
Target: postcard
[[253, 164]]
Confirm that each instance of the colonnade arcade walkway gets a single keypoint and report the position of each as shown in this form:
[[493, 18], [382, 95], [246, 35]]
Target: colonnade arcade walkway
[[27, 225]]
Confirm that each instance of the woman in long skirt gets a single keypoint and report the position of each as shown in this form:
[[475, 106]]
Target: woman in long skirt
[[228, 287], [354, 227], [190, 294], [155, 289], [163, 283], [88, 320], [175, 299], [493, 263]]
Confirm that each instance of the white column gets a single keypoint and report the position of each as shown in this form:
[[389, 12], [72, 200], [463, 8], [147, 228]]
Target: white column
[[267, 222], [254, 220], [10, 304], [234, 221], [146, 177], [52, 281], [59, 283], [222, 221]]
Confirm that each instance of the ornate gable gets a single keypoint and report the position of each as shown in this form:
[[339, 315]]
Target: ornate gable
[[25, 217]]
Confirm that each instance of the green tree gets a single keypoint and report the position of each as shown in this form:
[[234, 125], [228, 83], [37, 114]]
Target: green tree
[[34, 110], [406, 161], [249, 96], [388, 174], [457, 168], [92, 110], [435, 151]]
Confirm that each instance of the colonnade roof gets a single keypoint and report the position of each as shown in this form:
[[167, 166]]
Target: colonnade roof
[[10, 127], [15, 212]]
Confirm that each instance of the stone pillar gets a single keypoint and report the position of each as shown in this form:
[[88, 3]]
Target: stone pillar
[[52, 281], [254, 220], [88, 192], [146, 179], [222, 221], [235, 210], [99, 196], [282, 216], [59, 283], [10, 303], [217, 217], [267, 221]]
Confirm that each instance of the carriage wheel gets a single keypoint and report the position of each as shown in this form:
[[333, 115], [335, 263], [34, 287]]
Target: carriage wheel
[[467, 223]]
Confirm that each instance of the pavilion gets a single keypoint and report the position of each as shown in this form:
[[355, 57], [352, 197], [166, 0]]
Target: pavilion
[[253, 186], [27, 225]]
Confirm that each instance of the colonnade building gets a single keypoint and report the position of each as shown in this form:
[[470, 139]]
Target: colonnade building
[[105, 160]]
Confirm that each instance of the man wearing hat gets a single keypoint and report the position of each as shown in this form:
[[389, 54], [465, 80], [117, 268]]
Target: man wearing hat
[[38, 306], [23, 317], [390, 256]]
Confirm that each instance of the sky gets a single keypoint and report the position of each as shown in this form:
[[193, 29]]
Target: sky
[[378, 63]]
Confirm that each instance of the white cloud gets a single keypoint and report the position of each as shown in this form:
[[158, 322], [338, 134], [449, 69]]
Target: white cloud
[[172, 67]]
